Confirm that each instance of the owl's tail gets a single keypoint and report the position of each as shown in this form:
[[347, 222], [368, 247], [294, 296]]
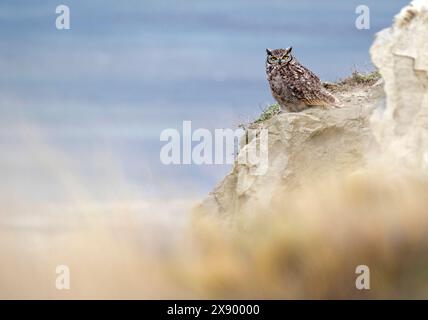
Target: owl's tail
[[331, 100], [324, 99]]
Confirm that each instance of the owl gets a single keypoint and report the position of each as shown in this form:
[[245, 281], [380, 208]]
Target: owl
[[293, 86]]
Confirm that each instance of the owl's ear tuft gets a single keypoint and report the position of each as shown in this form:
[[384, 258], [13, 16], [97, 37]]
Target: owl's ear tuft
[[289, 50], [269, 51]]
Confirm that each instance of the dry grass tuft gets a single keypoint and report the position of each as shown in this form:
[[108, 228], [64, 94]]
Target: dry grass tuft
[[356, 79]]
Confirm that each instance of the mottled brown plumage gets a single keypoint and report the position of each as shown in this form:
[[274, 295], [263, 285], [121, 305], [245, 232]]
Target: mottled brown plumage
[[293, 86]]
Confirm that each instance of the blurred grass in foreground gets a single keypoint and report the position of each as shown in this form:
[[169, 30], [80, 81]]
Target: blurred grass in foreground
[[307, 245]]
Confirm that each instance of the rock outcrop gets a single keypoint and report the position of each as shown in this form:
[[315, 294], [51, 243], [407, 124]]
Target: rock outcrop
[[386, 119], [401, 55]]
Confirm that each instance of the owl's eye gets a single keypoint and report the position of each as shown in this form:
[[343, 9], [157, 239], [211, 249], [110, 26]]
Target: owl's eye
[[272, 59], [285, 57]]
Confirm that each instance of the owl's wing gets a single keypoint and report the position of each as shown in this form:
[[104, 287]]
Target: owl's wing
[[315, 102], [307, 87]]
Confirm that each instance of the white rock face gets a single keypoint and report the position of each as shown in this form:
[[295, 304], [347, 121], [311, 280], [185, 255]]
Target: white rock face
[[386, 122], [401, 55], [302, 147]]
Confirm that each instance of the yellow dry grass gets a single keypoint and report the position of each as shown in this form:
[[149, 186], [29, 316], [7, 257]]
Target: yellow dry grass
[[307, 245]]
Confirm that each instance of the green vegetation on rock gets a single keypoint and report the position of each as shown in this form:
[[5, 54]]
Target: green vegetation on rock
[[269, 112]]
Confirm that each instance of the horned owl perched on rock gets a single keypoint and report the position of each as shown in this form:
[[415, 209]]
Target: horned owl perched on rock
[[293, 86]]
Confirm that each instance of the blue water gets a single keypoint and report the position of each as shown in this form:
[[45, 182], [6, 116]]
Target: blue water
[[104, 90]]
